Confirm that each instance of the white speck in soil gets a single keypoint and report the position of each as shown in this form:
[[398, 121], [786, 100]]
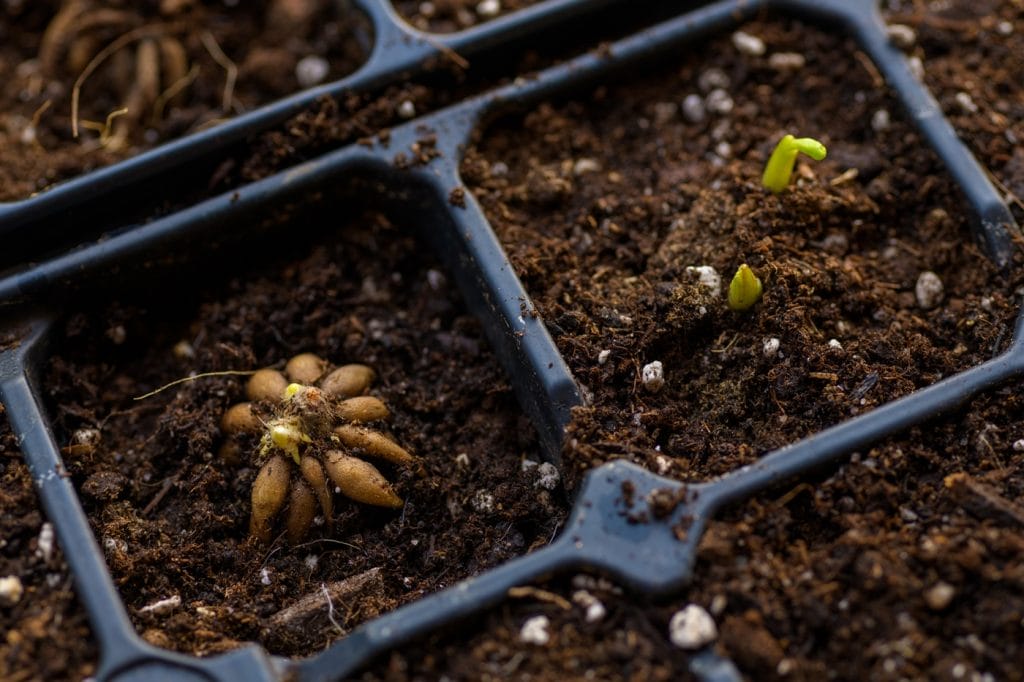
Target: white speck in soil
[[834, 344], [407, 109], [264, 576], [712, 78], [880, 120], [693, 108], [436, 279], [916, 67], [964, 101], [499, 169], [707, 277], [483, 501], [163, 606], [939, 596], [594, 609], [901, 36], [462, 460], [535, 631], [1018, 445], [311, 562], [584, 166], [719, 102], [787, 61], [771, 347], [928, 290], [489, 8], [663, 463], [117, 334], [603, 356], [427, 9], [11, 590], [311, 70], [1004, 28], [44, 548], [692, 628], [748, 44], [653, 376], [528, 465], [547, 476], [86, 437]]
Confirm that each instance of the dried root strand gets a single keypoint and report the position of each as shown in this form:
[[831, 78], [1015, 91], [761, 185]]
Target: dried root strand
[[57, 35], [360, 481], [301, 510], [363, 440], [348, 381], [269, 492], [174, 67], [362, 409]]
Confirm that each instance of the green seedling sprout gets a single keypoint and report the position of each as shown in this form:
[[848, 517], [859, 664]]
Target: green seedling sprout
[[745, 289], [780, 164]]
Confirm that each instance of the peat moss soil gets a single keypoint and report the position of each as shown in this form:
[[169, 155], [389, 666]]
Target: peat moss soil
[[835, 578], [177, 66], [904, 563]]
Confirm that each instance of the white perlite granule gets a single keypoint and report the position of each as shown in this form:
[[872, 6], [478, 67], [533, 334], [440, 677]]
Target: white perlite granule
[[535, 631], [692, 628], [653, 376]]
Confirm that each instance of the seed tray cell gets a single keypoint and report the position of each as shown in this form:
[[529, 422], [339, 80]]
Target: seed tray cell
[[611, 528]]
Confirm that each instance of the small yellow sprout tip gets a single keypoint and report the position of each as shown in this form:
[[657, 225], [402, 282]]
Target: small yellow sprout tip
[[291, 390], [780, 165], [287, 435], [745, 289]]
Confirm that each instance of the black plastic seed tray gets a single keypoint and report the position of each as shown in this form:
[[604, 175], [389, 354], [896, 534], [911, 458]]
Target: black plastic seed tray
[[648, 557]]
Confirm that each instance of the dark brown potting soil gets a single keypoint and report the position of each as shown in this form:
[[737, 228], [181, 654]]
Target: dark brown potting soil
[[177, 66], [173, 517], [903, 563]]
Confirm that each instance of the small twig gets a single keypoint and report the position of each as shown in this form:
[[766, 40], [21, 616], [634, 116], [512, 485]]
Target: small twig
[[101, 56], [540, 595], [1013, 198], [869, 66], [210, 43], [194, 377], [983, 500], [448, 52], [160, 495]]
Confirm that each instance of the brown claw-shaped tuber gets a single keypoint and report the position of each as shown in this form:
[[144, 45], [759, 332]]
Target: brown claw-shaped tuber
[[323, 431]]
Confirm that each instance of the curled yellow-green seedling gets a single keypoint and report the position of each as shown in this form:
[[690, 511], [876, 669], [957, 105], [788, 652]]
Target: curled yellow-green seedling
[[745, 289], [780, 165]]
